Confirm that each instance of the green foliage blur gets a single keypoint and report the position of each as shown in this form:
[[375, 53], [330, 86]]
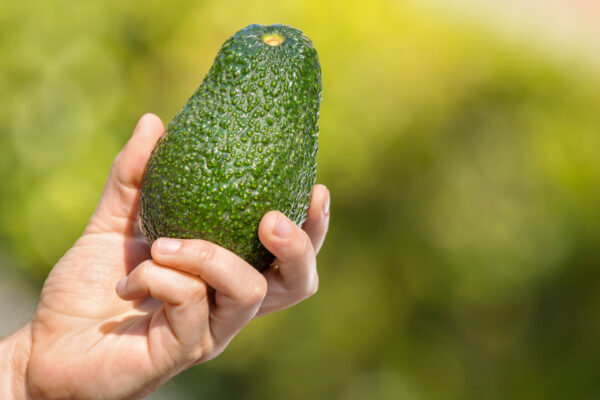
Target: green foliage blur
[[463, 259]]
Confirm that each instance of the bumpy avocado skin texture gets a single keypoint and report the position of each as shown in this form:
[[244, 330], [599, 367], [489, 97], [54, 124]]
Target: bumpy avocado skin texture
[[244, 144]]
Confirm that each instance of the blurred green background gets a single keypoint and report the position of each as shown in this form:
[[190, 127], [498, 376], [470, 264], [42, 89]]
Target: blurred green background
[[463, 259]]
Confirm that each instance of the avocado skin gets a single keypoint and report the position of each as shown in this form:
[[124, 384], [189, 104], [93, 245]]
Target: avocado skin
[[244, 144]]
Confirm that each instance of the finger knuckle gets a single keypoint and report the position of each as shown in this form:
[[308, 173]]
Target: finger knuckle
[[143, 271], [256, 292], [309, 285], [114, 167], [196, 354], [261, 287], [196, 290], [305, 248], [298, 249], [117, 173], [206, 252], [313, 286]]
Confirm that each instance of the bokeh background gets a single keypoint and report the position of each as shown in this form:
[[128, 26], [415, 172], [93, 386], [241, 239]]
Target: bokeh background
[[460, 141]]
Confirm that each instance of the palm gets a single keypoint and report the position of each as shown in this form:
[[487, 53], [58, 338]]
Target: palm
[[113, 338]]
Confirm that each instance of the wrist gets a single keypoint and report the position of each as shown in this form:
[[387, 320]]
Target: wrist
[[14, 351]]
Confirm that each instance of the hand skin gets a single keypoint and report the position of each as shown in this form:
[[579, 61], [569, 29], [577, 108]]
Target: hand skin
[[117, 317]]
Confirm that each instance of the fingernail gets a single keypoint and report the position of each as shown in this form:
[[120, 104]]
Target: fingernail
[[121, 285], [326, 205], [168, 246], [283, 229]]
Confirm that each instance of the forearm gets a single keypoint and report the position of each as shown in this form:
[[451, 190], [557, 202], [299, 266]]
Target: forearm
[[14, 356]]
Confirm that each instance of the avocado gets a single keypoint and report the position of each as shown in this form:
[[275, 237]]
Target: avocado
[[245, 143]]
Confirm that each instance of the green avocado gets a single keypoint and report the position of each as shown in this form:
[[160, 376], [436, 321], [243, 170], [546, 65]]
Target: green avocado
[[244, 144]]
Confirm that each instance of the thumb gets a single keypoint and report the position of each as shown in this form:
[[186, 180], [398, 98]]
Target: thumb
[[118, 207]]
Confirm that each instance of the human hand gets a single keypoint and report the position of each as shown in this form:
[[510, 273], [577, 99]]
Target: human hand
[[89, 340]]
